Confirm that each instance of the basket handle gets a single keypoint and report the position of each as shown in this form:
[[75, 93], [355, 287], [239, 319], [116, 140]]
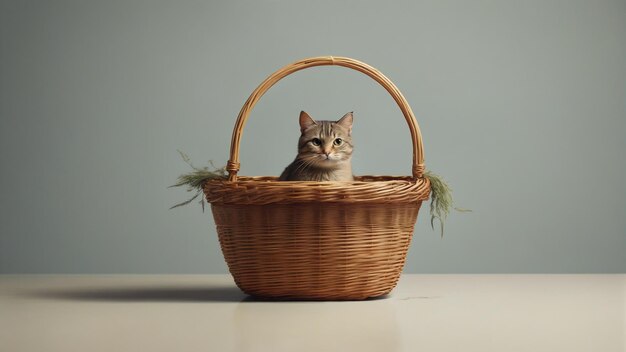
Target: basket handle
[[418, 153]]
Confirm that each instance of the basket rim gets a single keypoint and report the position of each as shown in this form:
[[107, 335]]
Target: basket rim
[[361, 179], [263, 190]]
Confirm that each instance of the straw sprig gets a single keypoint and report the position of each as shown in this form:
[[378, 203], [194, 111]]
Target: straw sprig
[[195, 179], [441, 202]]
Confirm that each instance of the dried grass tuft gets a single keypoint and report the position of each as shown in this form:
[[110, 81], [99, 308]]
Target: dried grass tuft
[[195, 179], [441, 202]]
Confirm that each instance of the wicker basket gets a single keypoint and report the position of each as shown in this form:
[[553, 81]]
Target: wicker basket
[[317, 240]]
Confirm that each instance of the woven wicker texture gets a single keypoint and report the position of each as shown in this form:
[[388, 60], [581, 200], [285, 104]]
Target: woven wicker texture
[[317, 240], [317, 250]]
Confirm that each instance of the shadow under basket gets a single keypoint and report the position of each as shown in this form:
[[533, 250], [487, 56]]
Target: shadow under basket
[[317, 240]]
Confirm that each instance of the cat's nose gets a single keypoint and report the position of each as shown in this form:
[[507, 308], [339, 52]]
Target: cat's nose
[[327, 155]]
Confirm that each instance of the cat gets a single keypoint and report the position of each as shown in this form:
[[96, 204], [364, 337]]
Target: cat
[[324, 151]]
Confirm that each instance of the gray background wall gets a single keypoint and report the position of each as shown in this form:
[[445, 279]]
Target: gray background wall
[[522, 105]]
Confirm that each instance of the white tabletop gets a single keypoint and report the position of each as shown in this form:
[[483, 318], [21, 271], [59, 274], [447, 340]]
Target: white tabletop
[[208, 313]]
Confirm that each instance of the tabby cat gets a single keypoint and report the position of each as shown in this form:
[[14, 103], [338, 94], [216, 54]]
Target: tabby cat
[[324, 151]]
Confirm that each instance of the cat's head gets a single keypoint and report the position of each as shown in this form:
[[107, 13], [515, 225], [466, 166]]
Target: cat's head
[[325, 144]]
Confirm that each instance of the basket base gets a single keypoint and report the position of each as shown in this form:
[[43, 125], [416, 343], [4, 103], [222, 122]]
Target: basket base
[[315, 299], [289, 295]]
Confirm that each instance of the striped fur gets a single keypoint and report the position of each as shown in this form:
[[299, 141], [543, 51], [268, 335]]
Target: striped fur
[[324, 151]]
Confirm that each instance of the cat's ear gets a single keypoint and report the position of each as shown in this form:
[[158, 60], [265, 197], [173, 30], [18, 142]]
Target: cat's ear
[[346, 122], [306, 121]]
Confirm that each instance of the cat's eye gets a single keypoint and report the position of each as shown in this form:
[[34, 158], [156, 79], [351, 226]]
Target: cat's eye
[[316, 142], [338, 141]]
